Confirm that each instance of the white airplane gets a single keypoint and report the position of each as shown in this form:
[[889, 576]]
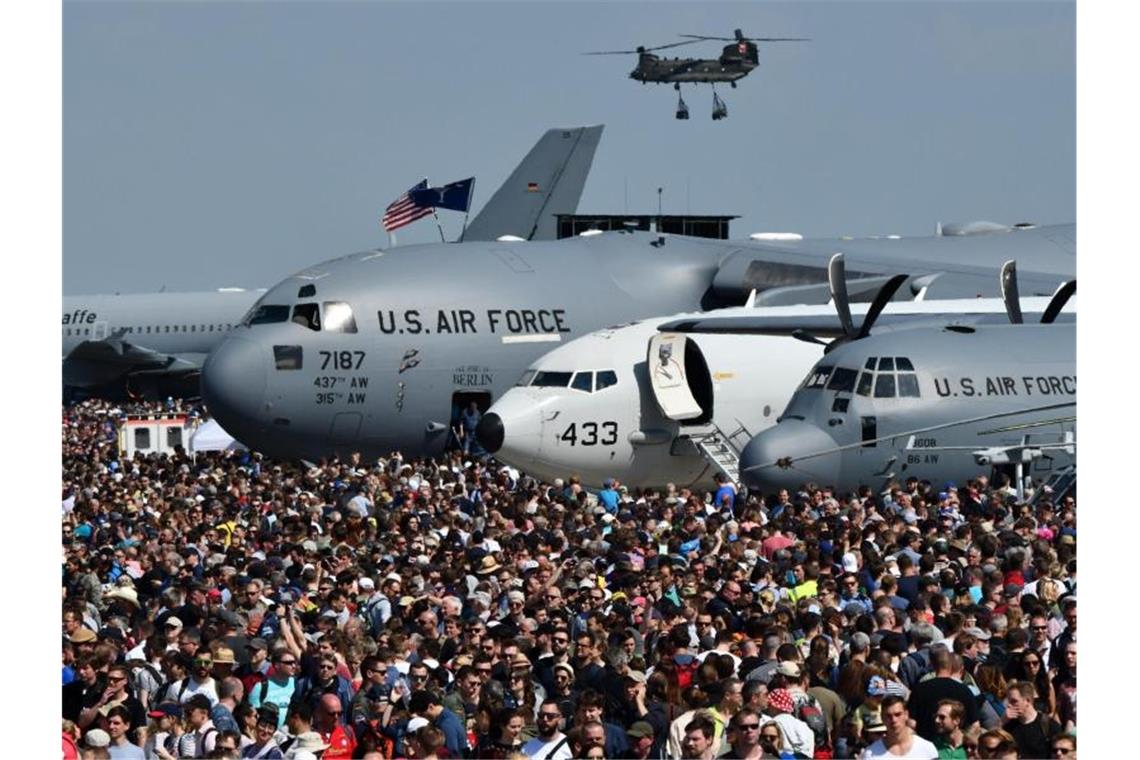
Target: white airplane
[[650, 407]]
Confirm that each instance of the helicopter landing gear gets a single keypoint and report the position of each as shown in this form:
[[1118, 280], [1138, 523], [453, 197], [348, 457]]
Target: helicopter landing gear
[[720, 110], [682, 109]]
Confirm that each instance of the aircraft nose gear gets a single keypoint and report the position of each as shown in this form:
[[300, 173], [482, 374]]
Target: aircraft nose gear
[[720, 110], [682, 109]]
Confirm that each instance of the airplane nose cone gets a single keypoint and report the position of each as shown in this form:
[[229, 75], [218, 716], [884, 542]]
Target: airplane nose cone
[[489, 432], [233, 385], [775, 459]]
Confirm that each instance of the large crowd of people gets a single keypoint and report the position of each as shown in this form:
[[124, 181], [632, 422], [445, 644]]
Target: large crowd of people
[[228, 605]]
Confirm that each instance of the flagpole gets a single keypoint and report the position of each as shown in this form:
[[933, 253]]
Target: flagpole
[[467, 211], [439, 226]]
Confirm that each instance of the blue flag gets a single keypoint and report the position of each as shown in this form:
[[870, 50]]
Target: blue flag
[[455, 196]]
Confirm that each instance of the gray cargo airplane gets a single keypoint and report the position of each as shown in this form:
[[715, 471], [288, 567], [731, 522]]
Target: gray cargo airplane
[[377, 351], [154, 343], [650, 408], [938, 402]]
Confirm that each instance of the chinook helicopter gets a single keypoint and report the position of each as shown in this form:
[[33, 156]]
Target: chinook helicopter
[[736, 61]]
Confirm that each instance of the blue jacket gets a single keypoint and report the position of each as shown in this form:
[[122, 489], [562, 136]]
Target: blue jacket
[[454, 733]]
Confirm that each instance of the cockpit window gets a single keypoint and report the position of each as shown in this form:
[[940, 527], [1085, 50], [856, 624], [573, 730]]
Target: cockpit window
[[885, 385], [605, 379], [307, 315], [338, 317], [552, 379], [843, 380], [266, 314], [524, 381], [908, 385], [870, 364], [583, 381], [817, 378], [887, 363], [866, 380], [307, 291], [903, 364]]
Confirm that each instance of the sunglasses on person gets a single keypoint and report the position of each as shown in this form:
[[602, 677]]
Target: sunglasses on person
[[546, 715], [748, 726]]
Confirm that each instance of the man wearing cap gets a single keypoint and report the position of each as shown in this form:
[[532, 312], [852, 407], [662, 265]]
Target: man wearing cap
[[256, 668], [168, 718], [199, 740], [641, 736]]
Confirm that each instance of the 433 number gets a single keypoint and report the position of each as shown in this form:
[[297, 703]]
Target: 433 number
[[586, 434]]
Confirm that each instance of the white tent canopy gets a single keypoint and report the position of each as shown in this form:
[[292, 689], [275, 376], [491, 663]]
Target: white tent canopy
[[211, 437]]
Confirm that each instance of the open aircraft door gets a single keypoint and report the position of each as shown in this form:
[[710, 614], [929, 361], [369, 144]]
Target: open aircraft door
[[680, 378]]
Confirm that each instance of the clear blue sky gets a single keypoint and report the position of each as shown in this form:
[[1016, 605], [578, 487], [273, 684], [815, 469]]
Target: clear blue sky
[[218, 144]]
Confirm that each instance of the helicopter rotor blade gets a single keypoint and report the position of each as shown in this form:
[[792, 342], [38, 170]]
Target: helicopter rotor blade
[[640, 50], [747, 39], [837, 284], [1009, 292], [1058, 301]]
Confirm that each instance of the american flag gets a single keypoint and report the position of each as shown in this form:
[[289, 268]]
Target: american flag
[[404, 211]]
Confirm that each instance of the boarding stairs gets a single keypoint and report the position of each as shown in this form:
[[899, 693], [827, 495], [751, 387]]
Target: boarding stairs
[[721, 450]]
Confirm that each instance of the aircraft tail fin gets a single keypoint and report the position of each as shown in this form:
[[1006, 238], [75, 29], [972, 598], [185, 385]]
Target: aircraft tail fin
[[549, 181]]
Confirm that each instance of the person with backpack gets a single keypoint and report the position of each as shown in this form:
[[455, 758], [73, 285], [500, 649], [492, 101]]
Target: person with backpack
[[279, 687], [806, 707]]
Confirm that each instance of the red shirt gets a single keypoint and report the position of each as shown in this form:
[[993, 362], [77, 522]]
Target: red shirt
[[341, 743]]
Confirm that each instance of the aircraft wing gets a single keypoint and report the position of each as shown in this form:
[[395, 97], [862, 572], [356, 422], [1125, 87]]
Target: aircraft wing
[[96, 362], [828, 325], [549, 181]]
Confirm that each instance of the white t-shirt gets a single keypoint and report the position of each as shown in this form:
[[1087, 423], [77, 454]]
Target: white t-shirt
[[537, 749], [920, 749]]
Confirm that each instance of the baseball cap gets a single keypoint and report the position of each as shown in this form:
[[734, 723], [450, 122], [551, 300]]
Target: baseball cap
[[640, 729], [172, 709], [97, 737]]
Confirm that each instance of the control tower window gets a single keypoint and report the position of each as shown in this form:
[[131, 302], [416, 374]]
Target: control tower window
[[338, 317], [307, 315], [288, 357], [583, 381], [266, 314], [605, 379], [552, 379]]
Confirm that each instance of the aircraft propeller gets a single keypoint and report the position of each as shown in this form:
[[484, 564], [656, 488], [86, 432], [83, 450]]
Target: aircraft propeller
[[837, 283], [1012, 299]]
